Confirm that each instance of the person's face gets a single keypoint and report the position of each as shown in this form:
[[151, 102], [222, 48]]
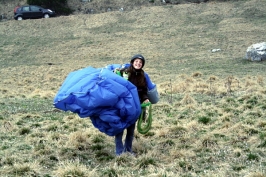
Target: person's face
[[137, 64]]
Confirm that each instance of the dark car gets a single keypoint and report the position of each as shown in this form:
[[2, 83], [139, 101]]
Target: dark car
[[32, 12]]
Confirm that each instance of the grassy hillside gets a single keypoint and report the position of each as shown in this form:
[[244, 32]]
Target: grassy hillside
[[87, 7], [210, 120]]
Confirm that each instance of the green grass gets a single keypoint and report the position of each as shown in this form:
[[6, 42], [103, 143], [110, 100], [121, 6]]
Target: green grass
[[211, 115]]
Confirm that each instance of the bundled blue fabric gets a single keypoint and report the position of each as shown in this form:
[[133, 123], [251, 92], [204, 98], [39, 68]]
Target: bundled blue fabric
[[109, 100]]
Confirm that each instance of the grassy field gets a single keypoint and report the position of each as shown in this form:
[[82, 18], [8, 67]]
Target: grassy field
[[210, 120]]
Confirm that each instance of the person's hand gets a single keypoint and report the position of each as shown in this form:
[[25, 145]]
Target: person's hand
[[146, 101]]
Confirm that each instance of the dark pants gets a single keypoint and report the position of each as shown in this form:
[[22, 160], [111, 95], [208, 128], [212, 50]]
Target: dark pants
[[127, 147]]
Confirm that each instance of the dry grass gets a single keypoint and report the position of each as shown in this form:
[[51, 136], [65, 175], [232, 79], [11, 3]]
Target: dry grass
[[210, 120]]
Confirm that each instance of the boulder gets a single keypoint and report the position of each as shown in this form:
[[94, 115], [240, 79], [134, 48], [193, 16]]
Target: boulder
[[256, 52]]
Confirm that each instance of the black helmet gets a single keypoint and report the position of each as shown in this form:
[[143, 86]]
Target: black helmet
[[138, 56]]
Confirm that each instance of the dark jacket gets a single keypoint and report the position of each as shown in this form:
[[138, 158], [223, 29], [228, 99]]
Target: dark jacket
[[138, 79]]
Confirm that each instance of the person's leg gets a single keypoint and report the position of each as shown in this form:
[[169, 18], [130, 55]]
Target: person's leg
[[129, 138], [119, 148]]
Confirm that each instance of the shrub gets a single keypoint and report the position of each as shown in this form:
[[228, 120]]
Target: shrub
[[59, 6], [146, 161], [253, 157], [204, 119], [24, 131]]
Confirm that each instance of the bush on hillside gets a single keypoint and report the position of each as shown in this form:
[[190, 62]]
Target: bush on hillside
[[59, 6]]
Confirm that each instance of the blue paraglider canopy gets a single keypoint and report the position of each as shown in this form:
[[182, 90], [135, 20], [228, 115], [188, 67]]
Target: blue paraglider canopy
[[110, 101]]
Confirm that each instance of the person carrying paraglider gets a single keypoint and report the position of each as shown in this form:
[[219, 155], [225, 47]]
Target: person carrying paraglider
[[134, 74], [113, 103]]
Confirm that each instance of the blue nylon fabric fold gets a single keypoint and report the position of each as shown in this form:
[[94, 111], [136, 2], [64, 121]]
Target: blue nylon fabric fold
[[110, 101]]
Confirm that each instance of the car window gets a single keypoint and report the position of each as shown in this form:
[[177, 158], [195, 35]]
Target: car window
[[34, 8], [27, 8], [18, 9]]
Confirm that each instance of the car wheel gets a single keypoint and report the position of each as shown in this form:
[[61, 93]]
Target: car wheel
[[19, 18], [46, 16]]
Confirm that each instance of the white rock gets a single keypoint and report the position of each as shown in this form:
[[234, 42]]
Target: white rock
[[215, 50], [256, 52]]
